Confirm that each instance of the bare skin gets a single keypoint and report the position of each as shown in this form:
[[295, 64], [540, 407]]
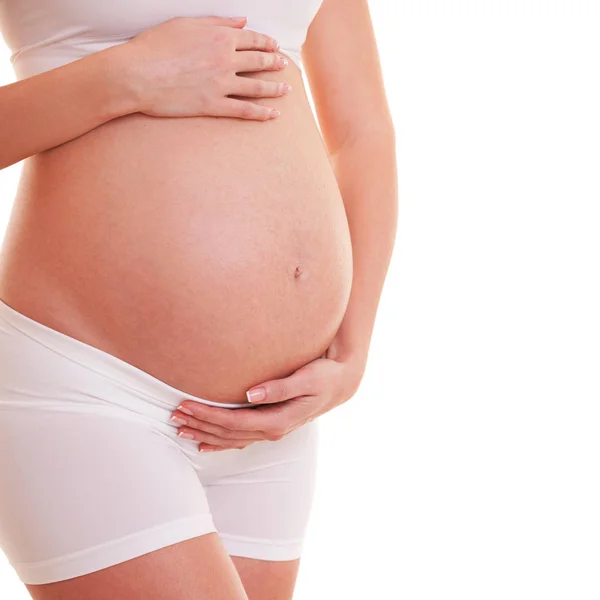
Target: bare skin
[[339, 50], [86, 93], [267, 579], [182, 258]]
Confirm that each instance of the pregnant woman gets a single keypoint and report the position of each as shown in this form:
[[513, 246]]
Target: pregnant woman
[[189, 278]]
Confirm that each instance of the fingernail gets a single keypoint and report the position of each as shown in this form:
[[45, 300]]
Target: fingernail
[[185, 435], [256, 395], [185, 410], [201, 448], [178, 420]]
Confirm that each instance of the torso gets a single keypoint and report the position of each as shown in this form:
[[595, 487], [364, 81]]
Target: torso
[[212, 253]]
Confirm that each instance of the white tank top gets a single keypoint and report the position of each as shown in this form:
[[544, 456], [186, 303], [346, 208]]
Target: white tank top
[[45, 34]]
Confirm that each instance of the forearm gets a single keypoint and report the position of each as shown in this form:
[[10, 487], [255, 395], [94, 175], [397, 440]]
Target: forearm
[[366, 173], [53, 107]]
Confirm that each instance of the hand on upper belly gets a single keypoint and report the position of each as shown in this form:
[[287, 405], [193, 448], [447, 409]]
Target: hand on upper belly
[[288, 403]]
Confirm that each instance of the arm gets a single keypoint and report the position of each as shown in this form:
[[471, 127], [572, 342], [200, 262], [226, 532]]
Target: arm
[[342, 66], [343, 71], [56, 106], [185, 66]]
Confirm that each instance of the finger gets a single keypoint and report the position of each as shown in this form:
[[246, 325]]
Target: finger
[[239, 419], [248, 39], [259, 88], [243, 109], [201, 436], [222, 432], [252, 60], [225, 21], [299, 383], [210, 448]]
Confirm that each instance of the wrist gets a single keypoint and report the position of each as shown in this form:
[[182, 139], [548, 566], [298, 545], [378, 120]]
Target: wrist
[[116, 82], [354, 362], [341, 351]]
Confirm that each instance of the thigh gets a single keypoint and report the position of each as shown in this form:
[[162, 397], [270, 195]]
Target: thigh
[[262, 510], [189, 570], [267, 579], [82, 492]]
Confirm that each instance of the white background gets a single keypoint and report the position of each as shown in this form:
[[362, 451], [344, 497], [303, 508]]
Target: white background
[[467, 465]]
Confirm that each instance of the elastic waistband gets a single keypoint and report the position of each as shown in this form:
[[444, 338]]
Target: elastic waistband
[[98, 360]]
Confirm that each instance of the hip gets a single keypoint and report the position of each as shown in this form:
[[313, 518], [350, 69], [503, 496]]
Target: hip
[[45, 374], [93, 472]]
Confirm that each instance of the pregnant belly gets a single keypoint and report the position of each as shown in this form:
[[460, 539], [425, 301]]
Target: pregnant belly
[[212, 253]]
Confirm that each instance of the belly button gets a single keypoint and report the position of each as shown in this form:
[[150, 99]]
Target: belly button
[[299, 273]]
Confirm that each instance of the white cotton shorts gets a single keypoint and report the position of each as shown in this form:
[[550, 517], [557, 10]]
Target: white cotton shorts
[[92, 472]]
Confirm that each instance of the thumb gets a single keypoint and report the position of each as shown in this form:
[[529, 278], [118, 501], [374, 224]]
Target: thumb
[[278, 390], [226, 21]]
